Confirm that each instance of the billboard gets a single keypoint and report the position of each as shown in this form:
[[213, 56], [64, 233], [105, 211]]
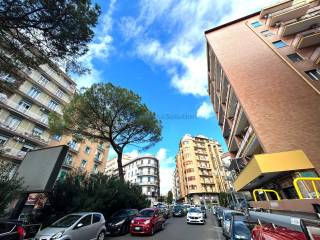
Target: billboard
[[40, 168]]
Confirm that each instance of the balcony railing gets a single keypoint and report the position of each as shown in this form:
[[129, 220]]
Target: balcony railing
[[148, 183], [245, 140], [140, 165], [12, 153], [275, 7], [22, 133], [306, 39], [25, 112], [295, 26]]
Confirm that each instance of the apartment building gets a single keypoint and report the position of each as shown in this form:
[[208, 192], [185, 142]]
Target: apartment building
[[143, 170], [264, 84], [175, 185], [24, 119], [200, 170]]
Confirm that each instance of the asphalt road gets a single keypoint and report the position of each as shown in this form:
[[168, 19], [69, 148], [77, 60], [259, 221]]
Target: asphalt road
[[177, 229]]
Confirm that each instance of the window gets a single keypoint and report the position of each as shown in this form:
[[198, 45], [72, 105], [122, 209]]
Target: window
[[37, 131], [7, 78], [24, 106], [192, 178], [53, 104], [149, 170], [148, 179], [267, 33], [186, 143], [97, 156], [95, 168], [27, 147], [3, 140], [59, 93], [190, 170], [96, 218], [68, 159], [149, 161], [279, 44], [43, 80], [87, 150], [34, 92], [141, 180], [256, 24], [83, 163], [57, 137], [314, 74], [294, 57], [12, 122], [86, 220], [44, 118], [73, 144]]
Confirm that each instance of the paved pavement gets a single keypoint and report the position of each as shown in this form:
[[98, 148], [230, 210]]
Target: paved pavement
[[177, 229]]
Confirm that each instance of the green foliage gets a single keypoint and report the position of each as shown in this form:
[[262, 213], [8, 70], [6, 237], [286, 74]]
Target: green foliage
[[110, 113], [169, 197], [96, 192], [224, 199], [162, 198], [34, 31], [10, 186]]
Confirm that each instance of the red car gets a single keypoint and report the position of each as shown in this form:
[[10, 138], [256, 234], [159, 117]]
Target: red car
[[268, 232], [148, 221]]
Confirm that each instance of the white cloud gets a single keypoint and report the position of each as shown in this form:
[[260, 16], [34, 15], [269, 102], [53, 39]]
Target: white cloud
[[99, 48], [166, 170], [183, 52], [205, 110]]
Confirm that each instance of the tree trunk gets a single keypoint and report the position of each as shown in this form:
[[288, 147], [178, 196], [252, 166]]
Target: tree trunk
[[120, 169]]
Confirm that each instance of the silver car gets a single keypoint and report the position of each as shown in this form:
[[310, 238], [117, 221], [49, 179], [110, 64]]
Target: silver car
[[75, 226]]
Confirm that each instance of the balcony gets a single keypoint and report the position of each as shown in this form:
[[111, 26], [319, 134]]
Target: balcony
[[141, 165], [148, 183], [12, 153], [97, 160], [306, 39], [23, 134], [296, 26], [315, 57], [201, 166], [275, 7], [140, 174], [16, 108], [287, 14]]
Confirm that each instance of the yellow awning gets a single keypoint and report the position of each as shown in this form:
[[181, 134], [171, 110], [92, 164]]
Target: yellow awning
[[264, 167]]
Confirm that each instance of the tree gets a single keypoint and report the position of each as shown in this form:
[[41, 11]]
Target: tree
[[34, 32], [169, 197], [10, 185], [79, 191], [162, 198], [105, 112]]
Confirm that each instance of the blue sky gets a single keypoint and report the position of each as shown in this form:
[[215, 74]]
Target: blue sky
[[157, 49]]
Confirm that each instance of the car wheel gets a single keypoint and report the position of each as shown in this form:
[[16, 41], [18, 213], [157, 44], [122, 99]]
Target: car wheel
[[101, 235], [163, 226], [152, 231]]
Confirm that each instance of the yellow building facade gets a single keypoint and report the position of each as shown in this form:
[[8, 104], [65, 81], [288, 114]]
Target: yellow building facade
[[200, 170]]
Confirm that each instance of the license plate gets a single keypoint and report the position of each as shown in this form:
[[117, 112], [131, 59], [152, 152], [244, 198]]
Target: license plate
[[137, 228]]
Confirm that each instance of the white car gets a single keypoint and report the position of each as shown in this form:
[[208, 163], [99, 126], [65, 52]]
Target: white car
[[195, 216]]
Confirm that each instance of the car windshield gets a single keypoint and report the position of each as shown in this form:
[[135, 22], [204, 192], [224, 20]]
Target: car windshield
[[146, 213], [195, 210], [177, 208], [66, 221], [121, 213], [242, 230], [227, 215]]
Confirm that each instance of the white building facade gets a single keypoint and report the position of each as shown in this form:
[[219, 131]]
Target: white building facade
[[142, 170]]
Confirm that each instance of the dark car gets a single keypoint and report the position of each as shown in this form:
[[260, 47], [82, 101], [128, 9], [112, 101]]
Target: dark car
[[148, 221], [119, 223], [219, 214], [204, 211], [164, 211], [241, 228], [11, 230], [226, 220], [178, 211]]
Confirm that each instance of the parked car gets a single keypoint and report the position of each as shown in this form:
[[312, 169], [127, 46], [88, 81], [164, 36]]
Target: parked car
[[219, 214], [178, 211], [241, 228], [164, 211], [226, 220], [187, 206], [195, 216], [76, 226], [11, 230], [148, 221], [119, 223], [204, 211]]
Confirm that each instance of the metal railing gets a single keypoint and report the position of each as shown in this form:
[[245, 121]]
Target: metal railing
[[265, 191], [310, 179]]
